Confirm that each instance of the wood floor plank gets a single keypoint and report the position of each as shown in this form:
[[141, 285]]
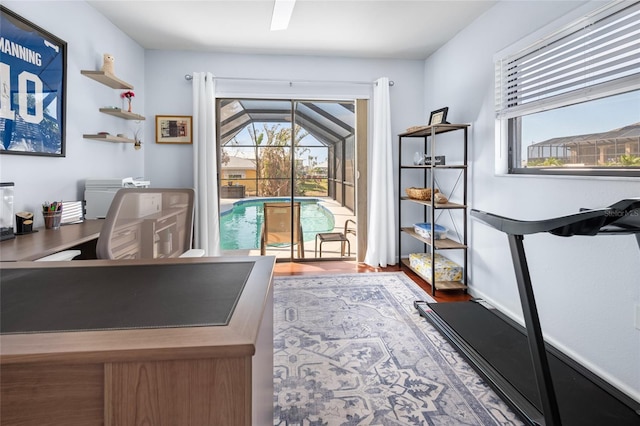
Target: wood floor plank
[[351, 267]]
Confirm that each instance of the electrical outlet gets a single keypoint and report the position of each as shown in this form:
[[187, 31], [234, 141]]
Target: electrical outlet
[[638, 316]]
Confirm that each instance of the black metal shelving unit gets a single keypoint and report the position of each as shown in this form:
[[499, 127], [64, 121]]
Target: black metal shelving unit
[[425, 138]]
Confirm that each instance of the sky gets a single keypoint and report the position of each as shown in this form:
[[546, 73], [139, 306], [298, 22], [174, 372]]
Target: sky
[[591, 117]]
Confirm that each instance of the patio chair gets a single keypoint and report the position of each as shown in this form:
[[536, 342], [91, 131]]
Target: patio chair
[[276, 227], [148, 223], [340, 237]]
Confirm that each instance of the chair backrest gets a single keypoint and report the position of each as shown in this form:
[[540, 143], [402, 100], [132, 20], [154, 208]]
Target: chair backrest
[[147, 223], [277, 223], [349, 230]]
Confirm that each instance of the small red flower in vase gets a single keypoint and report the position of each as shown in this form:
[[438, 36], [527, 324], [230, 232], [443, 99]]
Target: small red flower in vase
[[128, 94]]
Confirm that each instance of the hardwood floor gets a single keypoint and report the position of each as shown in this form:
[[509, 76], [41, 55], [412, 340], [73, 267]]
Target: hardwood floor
[[346, 267]]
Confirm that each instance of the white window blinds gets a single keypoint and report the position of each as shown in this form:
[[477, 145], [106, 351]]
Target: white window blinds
[[595, 57]]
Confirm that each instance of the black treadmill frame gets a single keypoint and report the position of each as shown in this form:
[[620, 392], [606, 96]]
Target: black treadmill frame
[[622, 217]]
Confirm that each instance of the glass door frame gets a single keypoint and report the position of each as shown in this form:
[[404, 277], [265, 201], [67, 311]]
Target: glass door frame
[[360, 140]]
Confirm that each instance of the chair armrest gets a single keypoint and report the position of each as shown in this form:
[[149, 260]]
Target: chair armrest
[[193, 253], [60, 256]]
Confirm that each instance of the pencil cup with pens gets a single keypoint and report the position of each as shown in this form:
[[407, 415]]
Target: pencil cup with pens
[[52, 213]]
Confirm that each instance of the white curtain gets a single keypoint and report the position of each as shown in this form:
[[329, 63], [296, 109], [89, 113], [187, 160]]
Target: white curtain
[[382, 232], [205, 165]]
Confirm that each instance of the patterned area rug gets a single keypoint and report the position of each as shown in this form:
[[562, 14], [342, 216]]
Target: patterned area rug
[[352, 350]]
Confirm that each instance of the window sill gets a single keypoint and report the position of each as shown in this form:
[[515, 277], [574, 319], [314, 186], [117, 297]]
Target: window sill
[[622, 178]]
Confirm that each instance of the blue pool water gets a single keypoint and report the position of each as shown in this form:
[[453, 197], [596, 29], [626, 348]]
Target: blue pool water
[[240, 226]]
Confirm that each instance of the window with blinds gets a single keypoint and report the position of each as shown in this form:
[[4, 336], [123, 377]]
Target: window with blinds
[[571, 101]]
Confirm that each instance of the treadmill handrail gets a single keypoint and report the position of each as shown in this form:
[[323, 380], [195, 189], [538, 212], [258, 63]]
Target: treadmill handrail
[[587, 222]]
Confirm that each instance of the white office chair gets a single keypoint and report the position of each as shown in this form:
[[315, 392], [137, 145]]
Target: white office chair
[[148, 223]]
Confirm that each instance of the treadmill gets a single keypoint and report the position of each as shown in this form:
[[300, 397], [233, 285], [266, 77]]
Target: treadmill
[[543, 385]]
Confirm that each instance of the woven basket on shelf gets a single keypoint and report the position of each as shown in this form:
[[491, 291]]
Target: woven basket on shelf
[[420, 193]]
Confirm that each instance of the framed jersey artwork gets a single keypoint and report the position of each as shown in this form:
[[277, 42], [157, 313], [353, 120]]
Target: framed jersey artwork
[[33, 66]]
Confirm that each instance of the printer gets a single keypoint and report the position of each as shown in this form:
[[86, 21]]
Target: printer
[[98, 193]]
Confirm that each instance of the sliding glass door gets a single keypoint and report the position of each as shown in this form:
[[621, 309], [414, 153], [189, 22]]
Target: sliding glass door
[[287, 177]]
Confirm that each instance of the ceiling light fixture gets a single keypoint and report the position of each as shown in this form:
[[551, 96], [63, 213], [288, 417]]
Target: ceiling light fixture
[[282, 10]]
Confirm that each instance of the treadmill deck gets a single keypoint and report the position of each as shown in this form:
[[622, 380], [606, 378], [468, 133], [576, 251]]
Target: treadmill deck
[[497, 348]]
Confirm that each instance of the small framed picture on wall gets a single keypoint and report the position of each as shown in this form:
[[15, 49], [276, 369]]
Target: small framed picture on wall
[[174, 129]]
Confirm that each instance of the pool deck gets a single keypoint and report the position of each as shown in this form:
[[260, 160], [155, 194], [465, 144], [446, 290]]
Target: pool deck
[[330, 250]]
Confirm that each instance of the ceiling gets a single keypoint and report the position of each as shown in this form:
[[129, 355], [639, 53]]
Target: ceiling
[[393, 29]]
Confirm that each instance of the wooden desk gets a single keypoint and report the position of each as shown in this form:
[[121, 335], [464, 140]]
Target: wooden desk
[[219, 375], [48, 241]]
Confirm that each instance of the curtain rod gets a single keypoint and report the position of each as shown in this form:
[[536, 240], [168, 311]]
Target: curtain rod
[[189, 77]]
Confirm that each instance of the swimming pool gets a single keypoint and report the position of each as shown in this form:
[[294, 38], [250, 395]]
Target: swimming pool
[[240, 226]]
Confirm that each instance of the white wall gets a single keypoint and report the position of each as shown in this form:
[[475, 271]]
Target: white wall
[[88, 35], [585, 287], [168, 93]]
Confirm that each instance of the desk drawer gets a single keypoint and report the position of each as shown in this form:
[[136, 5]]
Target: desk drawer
[[164, 224], [127, 252], [125, 234], [125, 241]]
